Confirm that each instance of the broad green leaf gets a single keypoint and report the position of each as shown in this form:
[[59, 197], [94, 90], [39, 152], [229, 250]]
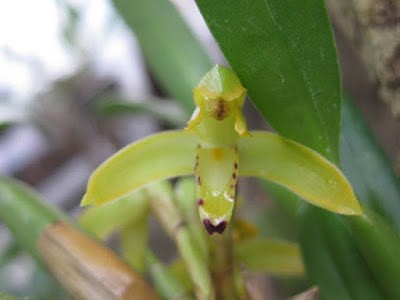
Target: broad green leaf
[[367, 168], [380, 246], [299, 168], [275, 257], [166, 282], [157, 157], [285, 56], [133, 238], [161, 109], [332, 259], [173, 54], [102, 220], [378, 188]]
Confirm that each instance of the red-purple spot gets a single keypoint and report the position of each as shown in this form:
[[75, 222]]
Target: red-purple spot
[[200, 202], [211, 228], [198, 180]]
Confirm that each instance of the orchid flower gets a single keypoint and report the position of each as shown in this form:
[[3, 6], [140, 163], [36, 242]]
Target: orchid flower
[[217, 148]]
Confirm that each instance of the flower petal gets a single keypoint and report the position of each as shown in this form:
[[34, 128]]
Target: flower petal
[[157, 157], [299, 169]]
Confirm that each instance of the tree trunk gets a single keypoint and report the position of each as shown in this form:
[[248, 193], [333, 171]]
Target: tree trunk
[[373, 28]]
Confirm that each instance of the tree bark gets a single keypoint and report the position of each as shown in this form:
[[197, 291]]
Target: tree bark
[[373, 28]]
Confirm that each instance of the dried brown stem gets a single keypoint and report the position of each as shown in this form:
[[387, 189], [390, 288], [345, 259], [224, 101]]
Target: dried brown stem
[[87, 269]]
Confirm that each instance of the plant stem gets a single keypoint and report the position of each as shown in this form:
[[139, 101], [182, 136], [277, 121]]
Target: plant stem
[[87, 269], [171, 219], [84, 267], [222, 265], [186, 196]]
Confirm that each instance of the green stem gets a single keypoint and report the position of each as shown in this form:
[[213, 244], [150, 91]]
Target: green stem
[[170, 217], [186, 196], [223, 265]]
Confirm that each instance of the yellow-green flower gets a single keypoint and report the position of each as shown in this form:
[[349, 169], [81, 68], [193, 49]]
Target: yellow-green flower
[[217, 148]]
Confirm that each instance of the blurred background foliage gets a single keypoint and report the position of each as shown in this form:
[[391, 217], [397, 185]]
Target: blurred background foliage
[[81, 79]]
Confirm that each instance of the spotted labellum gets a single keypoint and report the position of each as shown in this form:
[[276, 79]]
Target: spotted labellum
[[217, 148]]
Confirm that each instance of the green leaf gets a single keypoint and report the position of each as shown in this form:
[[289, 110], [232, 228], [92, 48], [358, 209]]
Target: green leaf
[[298, 168], [4, 296], [9, 252], [178, 268], [164, 110], [102, 220], [134, 237], [173, 54], [367, 168], [285, 56], [377, 186], [24, 212], [380, 246], [166, 282], [275, 257], [157, 157], [332, 259]]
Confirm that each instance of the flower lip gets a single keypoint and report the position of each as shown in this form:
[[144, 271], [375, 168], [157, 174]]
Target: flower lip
[[211, 228], [218, 108]]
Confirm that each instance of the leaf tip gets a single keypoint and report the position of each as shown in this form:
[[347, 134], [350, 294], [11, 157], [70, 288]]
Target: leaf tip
[[352, 208]]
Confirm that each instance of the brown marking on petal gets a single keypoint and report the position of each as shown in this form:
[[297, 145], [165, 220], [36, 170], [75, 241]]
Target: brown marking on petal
[[235, 165], [232, 186], [234, 175], [211, 228], [200, 202], [198, 180], [219, 109]]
